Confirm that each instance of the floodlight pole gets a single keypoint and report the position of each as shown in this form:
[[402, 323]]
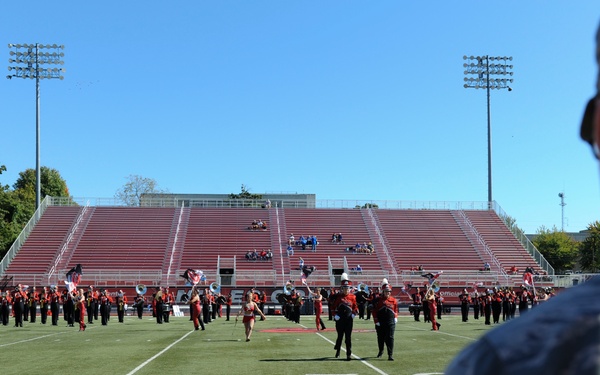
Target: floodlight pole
[[480, 66], [29, 58]]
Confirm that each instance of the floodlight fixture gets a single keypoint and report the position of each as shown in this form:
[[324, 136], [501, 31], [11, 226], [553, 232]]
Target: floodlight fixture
[[478, 71], [28, 59]]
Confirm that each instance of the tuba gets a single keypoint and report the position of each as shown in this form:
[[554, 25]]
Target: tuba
[[362, 287], [288, 288], [215, 288], [141, 289]]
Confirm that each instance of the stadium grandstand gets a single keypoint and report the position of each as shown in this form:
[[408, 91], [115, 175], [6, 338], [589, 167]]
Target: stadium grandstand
[[153, 244]]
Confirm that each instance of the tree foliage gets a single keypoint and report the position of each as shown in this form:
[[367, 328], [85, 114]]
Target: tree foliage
[[136, 186], [18, 205], [559, 249], [589, 250], [245, 194]]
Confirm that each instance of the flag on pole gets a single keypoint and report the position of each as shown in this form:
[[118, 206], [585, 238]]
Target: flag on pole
[[192, 276], [73, 277], [528, 279]]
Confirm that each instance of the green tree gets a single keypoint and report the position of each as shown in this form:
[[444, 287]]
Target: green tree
[[18, 205], [559, 249], [136, 186], [245, 194], [589, 249]]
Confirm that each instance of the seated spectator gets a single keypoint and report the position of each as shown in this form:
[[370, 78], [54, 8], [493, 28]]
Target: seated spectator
[[267, 204], [420, 268], [302, 241], [350, 249], [358, 248], [290, 251], [291, 240], [357, 269], [261, 225], [334, 238], [514, 270], [254, 225], [339, 238], [269, 255], [313, 242], [263, 254], [486, 266], [371, 248], [301, 261]]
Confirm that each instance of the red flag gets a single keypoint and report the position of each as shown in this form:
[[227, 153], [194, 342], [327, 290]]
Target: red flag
[[528, 279], [73, 277], [192, 276]]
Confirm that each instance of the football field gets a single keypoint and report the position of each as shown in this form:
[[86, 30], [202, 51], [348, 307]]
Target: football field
[[278, 346]]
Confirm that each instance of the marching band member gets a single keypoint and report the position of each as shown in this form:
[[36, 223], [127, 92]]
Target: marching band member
[[430, 299], [263, 301], [80, 304], [121, 301], [158, 301], [18, 303], [249, 309], [168, 299], [228, 305], [195, 310], [104, 307], [465, 301], [345, 308], [487, 306], [32, 300], [417, 302], [55, 299], [91, 302], [524, 298], [44, 300], [5, 301], [318, 304], [139, 305], [385, 316], [497, 298], [206, 306]]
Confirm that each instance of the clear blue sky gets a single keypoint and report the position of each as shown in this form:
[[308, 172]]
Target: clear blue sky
[[343, 99]]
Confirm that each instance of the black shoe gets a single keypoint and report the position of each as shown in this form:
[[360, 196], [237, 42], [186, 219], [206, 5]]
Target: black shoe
[[390, 358], [348, 358], [337, 353], [438, 325], [197, 328], [380, 354]]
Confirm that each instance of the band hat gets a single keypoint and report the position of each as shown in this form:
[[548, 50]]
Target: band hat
[[345, 281]]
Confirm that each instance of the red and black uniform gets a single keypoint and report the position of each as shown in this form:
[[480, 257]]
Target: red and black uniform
[[524, 298], [55, 300], [195, 312], [5, 301], [417, 303], [44, 302], [385, 314], [121, 301], [139, 305], [91, 302], [465, 303], [318, 303], [32, 301], [487, 307], [345, 308], [80, 306], [104, 302], [228, 305], [497, 305], [18, 301]]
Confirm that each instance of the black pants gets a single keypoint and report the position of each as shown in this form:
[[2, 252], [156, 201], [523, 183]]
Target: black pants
[[159, 313], [4, 312], [464, 309], [344, 329], [43, 313], [55, 311], [385, 335], [140, 310], [228, 311], [104, 311], [32, 312]]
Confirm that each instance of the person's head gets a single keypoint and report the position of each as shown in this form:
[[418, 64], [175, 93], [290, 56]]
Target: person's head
[[386, 290], [590, 125]]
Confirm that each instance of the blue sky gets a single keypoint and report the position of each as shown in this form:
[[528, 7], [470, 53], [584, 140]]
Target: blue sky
[[343, 99]]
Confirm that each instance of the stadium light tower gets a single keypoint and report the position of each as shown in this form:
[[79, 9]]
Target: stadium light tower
[[478, 70], [28, 59], [561, 195]]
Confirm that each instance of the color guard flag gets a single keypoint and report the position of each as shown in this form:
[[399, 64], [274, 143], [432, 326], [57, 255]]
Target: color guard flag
[[431, 277], [192, 276], [73, 277], [528, 279]]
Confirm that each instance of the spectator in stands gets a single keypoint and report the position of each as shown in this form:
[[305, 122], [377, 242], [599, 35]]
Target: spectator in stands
[[268, 203], [334, 238], [371, 248], [263, 254], [290, 250], [357, 269], [301, 263], [302, 242], [269, 255], [514, 270], [292, 240], [556, 337], [486, 266], [314, 242]]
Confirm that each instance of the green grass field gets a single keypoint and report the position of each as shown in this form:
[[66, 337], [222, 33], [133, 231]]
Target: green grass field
[[277, 347]]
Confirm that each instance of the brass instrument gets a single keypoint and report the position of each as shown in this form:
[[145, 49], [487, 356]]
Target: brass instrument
[[141, 289], [288, 288], [214, 288]]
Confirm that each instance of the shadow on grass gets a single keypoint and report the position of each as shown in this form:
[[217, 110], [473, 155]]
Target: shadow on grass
[[301, 359]]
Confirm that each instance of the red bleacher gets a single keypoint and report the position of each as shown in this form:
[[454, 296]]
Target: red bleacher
[[137, 238]]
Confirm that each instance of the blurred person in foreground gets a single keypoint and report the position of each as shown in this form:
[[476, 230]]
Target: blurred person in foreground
[[562, 336]]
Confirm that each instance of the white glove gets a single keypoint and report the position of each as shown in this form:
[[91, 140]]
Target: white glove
[[353, 316], [395, 320], [337, 317], [377, 324]]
